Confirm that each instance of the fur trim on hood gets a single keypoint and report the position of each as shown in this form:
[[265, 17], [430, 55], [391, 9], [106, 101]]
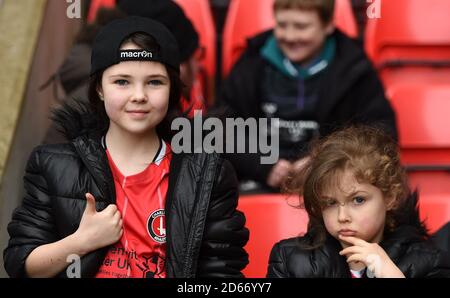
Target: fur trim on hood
[[77, 118]]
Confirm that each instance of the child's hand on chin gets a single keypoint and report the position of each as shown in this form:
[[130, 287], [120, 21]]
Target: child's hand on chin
[[372, 255]]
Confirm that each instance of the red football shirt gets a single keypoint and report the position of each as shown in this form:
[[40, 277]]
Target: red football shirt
[[140, 198]]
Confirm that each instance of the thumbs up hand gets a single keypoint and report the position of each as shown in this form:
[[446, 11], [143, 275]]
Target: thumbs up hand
[[99, 229]]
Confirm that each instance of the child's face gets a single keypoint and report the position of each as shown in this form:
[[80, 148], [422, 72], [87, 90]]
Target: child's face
[[136, 94], [354, 209], [300, 33]]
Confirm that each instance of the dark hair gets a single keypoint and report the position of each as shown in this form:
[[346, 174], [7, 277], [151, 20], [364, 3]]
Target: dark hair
[[372, 155], [146, 42], [325, 8]]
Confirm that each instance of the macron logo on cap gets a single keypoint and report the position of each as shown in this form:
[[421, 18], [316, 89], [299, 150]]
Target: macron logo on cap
[[135, 55]]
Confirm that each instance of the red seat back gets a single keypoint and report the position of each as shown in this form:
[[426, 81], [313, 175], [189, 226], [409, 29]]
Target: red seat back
[[434, 210], [423, 121], [414, 33], [434, 197], [246, 18], [391, 76], [270, 218], [424, 138], [409, 28]]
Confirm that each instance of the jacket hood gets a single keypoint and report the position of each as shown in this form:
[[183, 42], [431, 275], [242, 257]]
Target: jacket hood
[[345, 45], [76, 118]]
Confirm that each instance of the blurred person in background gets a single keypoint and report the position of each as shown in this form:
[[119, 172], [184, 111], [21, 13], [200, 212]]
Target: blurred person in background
[[310, 76]]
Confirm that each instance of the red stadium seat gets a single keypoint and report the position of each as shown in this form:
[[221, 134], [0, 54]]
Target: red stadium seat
[[435, 210], [246, 18], [434, 197], [96, 5], [199, 12], [410, 41], [270, 218], [423, 122]]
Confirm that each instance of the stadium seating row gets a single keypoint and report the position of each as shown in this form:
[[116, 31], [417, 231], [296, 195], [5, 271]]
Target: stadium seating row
[[408, 34]]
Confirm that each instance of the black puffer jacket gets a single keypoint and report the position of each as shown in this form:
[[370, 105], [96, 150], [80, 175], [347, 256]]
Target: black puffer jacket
[[205, 232], [407, 247]]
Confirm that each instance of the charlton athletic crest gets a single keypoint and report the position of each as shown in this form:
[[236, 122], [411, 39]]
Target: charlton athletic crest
[[156, 226]]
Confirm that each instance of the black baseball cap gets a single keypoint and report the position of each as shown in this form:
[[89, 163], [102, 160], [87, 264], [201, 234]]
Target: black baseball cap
[[106, 47]]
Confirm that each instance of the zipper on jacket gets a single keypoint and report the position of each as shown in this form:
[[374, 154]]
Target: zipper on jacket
[[189, 258], [94, 175]]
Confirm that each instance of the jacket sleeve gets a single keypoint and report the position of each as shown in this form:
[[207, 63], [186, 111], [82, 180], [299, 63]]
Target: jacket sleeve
[[32, 224], [441, 266], [222, 252], [277, 263]]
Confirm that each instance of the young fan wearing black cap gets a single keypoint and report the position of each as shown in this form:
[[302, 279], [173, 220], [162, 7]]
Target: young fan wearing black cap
[[74, 72], [116, 195], [172, 16]]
